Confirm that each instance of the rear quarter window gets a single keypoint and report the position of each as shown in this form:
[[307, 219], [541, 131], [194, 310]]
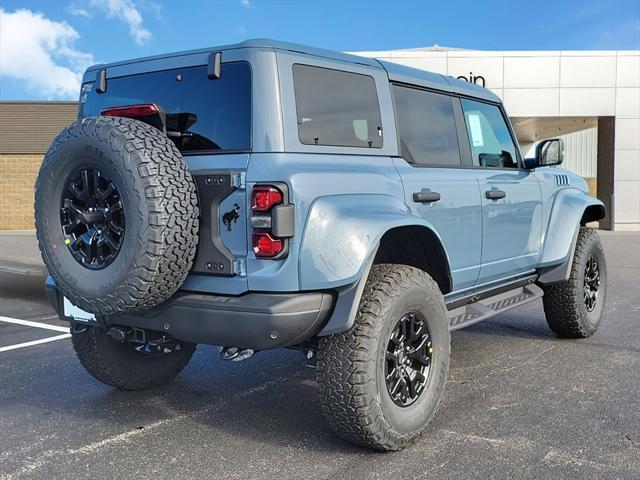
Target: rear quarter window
[[336, 108], [202, 115]]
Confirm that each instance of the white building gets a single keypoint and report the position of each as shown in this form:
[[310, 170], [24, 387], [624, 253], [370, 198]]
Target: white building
[[590, 98]]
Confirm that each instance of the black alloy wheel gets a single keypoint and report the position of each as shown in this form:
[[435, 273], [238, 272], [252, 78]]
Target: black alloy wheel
[[408, 359], [382, 380], [92, 218], [591, 283]]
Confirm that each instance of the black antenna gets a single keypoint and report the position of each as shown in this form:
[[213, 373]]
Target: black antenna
[[213, 65]]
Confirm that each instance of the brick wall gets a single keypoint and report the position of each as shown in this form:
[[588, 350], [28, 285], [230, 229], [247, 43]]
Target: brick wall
[[26, 131], [17, 177]]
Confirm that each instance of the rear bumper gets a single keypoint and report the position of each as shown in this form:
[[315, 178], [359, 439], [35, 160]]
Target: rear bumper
[[254, 320]]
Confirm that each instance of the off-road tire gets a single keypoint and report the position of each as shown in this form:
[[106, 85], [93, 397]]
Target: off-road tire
[[161, 214], [354, 396], [121, 366], [564, 305]]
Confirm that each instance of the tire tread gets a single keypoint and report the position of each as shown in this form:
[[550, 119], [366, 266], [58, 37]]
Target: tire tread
[[562, 300], [349, 398], [171, 215], [105, 361]]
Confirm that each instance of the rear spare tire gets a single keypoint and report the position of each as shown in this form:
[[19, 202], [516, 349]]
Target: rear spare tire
[[116, 215]]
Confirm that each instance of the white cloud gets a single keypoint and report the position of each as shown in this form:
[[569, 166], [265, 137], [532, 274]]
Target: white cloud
[[78, 11], [41, 53], [245, 3], [125, 11]]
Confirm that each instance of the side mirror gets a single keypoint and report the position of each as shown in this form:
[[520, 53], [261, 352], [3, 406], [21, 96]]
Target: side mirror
[[550, 152]]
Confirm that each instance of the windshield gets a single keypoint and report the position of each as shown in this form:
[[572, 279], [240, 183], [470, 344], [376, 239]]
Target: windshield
[[201, 114]]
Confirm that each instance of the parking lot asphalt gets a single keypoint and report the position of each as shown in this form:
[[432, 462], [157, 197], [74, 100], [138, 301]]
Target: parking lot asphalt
[[520, 403]]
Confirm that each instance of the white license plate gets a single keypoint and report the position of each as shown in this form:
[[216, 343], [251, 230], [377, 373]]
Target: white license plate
[[70, 310]]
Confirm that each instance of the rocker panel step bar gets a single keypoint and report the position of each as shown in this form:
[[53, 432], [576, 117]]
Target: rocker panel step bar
[[489, 306]]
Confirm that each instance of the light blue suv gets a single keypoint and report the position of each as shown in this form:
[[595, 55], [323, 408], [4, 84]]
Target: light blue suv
[[265, 195]]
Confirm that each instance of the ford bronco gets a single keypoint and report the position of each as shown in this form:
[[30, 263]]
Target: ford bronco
[[265, 195]]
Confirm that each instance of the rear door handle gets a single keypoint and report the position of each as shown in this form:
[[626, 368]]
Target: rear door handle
[[494, 194], [426, 197]]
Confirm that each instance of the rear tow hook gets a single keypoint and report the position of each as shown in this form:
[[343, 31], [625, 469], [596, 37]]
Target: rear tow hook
[[235, 354]]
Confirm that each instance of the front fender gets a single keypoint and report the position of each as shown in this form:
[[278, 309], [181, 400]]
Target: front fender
[[561, 235], [568, 208], [342, 234]]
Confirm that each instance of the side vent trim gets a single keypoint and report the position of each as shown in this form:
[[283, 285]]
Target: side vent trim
[[562, 180]]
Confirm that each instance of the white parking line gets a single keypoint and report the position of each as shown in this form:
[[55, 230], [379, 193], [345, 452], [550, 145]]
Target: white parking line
[[35, 342], [28, 323]]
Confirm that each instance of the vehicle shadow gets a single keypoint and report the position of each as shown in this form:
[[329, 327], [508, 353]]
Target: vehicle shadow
[[283, 407], [25, 288], [270, 399], [525, 323]]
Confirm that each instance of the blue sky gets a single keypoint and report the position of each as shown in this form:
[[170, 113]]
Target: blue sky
[[45, 45]]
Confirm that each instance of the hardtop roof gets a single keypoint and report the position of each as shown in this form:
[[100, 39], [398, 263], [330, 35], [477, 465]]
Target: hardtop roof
[[437, 81], [396, 72]]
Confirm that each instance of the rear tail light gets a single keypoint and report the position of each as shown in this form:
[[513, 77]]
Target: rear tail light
[[264, 198], [264, 245], [131, 111], [272, 220]]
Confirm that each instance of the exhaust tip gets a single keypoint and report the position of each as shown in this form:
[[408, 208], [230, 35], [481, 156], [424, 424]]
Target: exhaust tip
[[235, 354]]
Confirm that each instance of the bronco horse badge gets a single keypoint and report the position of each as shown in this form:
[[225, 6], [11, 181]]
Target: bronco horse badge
[[231, 216]]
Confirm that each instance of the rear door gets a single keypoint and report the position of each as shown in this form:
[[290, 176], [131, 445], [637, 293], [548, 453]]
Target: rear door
[[511, 198], [209, 120], [436, 188]]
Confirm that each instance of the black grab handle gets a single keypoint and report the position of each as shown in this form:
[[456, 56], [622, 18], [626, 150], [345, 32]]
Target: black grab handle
[[426, 197], [495, 194]]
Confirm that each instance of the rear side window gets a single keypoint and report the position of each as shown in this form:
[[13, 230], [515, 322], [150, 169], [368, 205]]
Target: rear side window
[[426, 127], [489, 137], [336, 108], [201, 114]]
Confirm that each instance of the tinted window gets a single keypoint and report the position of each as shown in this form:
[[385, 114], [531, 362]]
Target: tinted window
[[336, 108], [202, 114], [426, 127], [489, 137]]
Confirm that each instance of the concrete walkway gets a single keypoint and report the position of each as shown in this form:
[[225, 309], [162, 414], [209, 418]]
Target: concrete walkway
[[19, 254]]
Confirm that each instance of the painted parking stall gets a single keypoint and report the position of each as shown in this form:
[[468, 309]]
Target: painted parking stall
[[37, 325]]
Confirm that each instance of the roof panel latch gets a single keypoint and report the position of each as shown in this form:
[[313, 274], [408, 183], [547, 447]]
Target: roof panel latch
[[101, 81], [213, 65]]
